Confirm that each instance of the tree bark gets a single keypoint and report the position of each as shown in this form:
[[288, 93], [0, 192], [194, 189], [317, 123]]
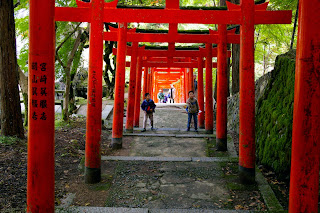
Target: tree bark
[[294, 26], [108, 68], [11, 118], [23, 82], [67, 70], [235, 68], [235, 62]]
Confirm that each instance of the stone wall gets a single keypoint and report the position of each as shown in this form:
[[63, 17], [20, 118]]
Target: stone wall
[[274, 115], [233, 102]]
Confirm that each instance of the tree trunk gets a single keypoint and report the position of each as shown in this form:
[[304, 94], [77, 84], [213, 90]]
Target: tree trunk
[[235, 68], [222, 3], [74, 70], [23, 82], [67, 69], [11, 118], [294, 26], [108, 68], [235, 62]]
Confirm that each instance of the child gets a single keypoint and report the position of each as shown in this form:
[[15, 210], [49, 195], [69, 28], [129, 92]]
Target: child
[[148, 107], [160, 96], [193, 110]]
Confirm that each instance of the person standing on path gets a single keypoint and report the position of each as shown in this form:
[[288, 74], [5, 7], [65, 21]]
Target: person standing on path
[[172, 92], [160, 96], [193, 110], [148, 107]]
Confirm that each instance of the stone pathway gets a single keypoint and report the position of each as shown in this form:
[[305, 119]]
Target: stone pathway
[[170, 170]]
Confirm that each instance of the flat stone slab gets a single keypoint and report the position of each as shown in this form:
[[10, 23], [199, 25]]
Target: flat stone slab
[[149, 135], [139, 210], [162, 159], [106, 111], [168, 147], [82, 110], [102, 210], [195, 136], [192, 211], [169, 159], [169, 135]]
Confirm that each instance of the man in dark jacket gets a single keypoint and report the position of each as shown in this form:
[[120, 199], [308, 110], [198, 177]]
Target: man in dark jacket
[[148, 107]]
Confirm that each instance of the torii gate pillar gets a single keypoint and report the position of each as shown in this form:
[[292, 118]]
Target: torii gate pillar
[[247, 94], [222, 89], [132, 88], [138, 92], [304, 177], [200, 93], [40, 183], [209, 99], [117, 126], [145, 81]]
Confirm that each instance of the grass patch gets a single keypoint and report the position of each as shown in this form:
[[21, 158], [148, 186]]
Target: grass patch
[[81, 101], [236, 186], [60, 123], [9, 140], [104, 185], [211, 149]]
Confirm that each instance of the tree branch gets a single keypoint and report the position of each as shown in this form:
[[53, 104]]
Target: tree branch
[[59, 60], [17, 4], [64, 41]]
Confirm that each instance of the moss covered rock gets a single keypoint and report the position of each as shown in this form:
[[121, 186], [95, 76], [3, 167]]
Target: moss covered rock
[[274, 117]]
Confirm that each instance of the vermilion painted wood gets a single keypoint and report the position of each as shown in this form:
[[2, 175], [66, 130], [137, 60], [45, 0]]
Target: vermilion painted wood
[[209, 99], [187, 76], [138, 93], [200, 93], [93, 134], [117, 127], [151, 82], [132, 88], [148, 79], [89, 12], [304, 177], [175, 64], [173, 16], [178, 38], [222, 89], [40, 183], [145, 75], [172, 53], [191, 87], [247, 94], [172, 36]]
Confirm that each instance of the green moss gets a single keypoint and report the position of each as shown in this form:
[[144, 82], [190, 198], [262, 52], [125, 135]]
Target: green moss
[[8, 140], [274, 117], [104, 185]]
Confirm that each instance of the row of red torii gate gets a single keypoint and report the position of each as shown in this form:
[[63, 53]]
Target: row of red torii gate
[[43, 14]]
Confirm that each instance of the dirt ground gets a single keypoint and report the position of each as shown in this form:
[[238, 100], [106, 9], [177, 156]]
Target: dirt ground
[[69, 152]]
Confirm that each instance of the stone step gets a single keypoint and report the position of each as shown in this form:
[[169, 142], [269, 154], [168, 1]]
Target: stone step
[[170, 135], [83, 209], [170, 159]]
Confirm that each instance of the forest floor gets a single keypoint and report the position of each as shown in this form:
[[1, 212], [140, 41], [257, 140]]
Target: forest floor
[[166, 178]]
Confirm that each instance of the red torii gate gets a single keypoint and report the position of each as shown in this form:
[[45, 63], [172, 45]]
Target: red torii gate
[[304, 177], [170, 54], [160, 55], [40, 190], [173, 36]]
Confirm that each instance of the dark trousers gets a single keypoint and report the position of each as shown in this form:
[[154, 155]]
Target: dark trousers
[[195, 119]]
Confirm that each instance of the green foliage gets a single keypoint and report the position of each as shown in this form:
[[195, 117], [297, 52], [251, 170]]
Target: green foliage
[[8, 140], [274, 117]]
